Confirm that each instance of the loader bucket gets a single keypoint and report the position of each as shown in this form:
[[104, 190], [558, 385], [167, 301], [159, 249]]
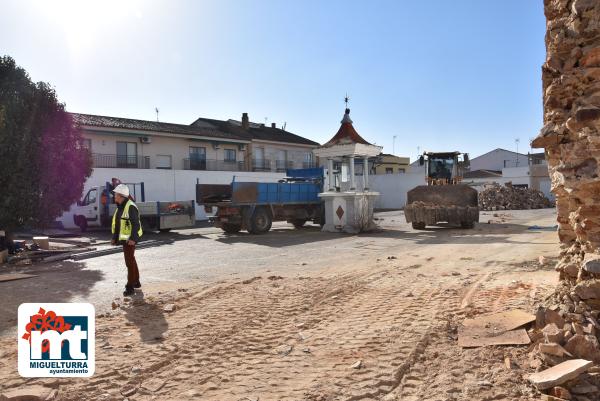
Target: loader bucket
[[433, 204], [455, 195]]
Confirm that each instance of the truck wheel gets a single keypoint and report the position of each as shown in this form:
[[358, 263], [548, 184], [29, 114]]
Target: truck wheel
[[261, 221], [298, 223], [231, 228], [467, 224], [418, 225], [81, 223]]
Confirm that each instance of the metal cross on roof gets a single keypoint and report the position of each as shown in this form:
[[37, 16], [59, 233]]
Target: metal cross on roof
[[346, 100]]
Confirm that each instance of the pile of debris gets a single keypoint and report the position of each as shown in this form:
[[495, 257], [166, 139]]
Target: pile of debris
[[41, 248], [565, 349], [509, 197]]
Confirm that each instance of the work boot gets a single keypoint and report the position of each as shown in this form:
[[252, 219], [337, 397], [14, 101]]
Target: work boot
[[129, 291], [137, 284]]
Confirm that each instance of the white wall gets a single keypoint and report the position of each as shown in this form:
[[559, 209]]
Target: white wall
[[393, 188], [169, 185]]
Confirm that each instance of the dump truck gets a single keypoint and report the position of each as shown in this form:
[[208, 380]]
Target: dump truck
[[253, 206], [98, 206], [444, 198]]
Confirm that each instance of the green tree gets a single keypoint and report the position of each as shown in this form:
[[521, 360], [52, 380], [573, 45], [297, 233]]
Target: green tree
[[42, 164]]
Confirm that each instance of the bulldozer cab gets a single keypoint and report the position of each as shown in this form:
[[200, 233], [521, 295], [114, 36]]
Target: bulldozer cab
[[444, 168]]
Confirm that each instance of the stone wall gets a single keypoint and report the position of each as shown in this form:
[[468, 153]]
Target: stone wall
[[571, 138]]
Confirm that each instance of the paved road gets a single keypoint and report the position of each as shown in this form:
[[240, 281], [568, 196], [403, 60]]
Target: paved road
[[205, 256]]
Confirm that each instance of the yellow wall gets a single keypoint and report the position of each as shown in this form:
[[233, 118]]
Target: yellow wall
[[396, 163]]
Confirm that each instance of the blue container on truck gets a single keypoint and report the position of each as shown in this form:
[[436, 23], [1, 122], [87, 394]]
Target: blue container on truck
[[253, 206]]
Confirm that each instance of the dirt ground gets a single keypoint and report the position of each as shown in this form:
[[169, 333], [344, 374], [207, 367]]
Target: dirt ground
[[368, 317]]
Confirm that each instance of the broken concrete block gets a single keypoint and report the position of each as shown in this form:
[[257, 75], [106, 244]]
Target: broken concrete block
[[169, 308], [552, 360], [357, 365], [588, 289], [535, 335], [553, 349], [552, 334], [559, 374], [584, 346], [552, 316], [571, 270]]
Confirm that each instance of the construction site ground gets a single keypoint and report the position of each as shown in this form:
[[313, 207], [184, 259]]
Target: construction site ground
[[301, 314]]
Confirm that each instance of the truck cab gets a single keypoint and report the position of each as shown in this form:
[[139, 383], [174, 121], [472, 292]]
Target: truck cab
[[97, 207]]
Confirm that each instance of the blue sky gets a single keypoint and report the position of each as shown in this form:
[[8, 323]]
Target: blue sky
[[440, 75]]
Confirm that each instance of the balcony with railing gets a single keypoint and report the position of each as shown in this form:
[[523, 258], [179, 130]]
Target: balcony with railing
[[213, 165], [119, 161], [261, 165], [282, 165]]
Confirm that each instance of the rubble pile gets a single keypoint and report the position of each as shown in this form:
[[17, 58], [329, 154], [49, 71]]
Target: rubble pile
[[508, 197], [566, 334]]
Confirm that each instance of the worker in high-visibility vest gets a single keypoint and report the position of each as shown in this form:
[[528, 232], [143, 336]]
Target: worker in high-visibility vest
[[127, 231]]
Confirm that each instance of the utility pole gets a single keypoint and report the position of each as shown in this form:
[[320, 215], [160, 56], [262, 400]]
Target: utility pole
[[517, 143], [156, 110], [394, 144]]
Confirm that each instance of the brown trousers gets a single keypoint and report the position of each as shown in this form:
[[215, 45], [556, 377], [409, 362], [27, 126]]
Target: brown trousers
[[133, 274]]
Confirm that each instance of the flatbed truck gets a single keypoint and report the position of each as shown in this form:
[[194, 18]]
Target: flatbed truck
[[97, 208], [253, 206]]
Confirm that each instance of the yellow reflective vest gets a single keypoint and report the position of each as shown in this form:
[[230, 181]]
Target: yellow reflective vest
[[126, 226]]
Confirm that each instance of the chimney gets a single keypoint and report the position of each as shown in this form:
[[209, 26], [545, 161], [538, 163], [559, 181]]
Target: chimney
[[273, 125], [245, 121]]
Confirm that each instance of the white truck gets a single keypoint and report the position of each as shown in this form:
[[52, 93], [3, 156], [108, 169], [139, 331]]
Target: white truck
[[97, 208]]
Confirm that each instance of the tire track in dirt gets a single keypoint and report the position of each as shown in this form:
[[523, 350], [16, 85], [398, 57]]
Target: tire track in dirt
[[444, 371]]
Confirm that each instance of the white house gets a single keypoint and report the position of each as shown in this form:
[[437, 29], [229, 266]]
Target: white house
[[171, 158], [497, 159]]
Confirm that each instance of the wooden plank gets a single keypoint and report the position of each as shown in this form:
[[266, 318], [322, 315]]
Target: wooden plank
[[15, 276], [470, 338]]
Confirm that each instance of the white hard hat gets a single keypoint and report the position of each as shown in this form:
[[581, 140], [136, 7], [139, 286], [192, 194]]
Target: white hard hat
[[122, 189]]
